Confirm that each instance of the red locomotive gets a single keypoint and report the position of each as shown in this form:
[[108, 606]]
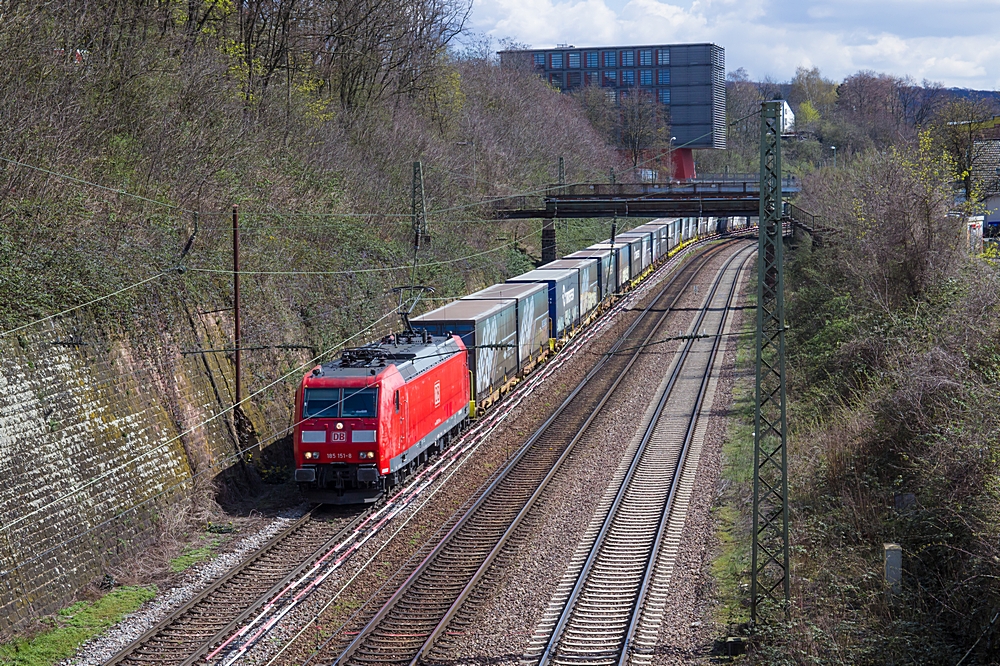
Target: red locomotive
[[367, 419]]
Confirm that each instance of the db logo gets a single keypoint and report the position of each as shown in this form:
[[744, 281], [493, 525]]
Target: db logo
[[437, 393], [338, 436]]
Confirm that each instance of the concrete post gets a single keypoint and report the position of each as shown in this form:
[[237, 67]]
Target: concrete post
[[893, 567]]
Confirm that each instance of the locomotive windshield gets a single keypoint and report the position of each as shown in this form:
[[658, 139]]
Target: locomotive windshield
[[321, 404], [359, 403]]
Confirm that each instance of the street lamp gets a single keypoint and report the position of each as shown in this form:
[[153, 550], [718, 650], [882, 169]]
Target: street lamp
[[670, 155], [834, 149]]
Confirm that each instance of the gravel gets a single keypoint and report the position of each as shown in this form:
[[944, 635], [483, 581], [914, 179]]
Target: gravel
[[501, 631], [395, 551], [689, 625], [102, 648]]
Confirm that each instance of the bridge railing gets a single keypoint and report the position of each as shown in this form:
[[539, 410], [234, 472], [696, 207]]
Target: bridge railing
[[700, 187]]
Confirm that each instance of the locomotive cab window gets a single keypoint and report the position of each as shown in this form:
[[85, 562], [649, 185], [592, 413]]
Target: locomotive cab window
[[359, 403], [321, 404]]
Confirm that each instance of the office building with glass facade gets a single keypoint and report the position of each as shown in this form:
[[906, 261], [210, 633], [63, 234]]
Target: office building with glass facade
[[688, 78]]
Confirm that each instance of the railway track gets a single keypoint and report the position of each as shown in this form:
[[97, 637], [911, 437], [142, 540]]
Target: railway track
[[599, 614], [408, 624], [188, 633]]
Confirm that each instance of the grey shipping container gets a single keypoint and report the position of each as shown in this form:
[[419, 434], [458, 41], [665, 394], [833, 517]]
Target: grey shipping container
[[647, 244], [488, 329], [607, 277], [640, 251], [666, 231], [564, 299], [590, 286], [532, 316], [659, 233], [623, 260]]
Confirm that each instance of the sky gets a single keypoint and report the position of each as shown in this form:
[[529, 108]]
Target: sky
[[953, 42]]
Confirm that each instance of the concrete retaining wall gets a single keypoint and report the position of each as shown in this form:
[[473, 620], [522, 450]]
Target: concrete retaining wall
[[99, 432]]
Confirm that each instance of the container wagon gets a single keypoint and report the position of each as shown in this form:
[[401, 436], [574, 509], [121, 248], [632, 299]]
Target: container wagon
[[589, 283], [532, 302], [564, 299], [488, 329]]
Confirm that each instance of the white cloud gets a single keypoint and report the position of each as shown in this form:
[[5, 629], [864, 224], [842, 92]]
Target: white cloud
[[953, 42]]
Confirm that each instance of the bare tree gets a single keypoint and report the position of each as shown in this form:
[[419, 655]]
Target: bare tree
[[743, 98], [957, 128], [894, 235], [642, 124], [367, 50]]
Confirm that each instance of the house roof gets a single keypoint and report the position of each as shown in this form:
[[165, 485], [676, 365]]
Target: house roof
[[986, 167]]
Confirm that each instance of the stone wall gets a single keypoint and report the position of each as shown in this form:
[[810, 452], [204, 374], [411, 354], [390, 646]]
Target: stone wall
[[100, 431]]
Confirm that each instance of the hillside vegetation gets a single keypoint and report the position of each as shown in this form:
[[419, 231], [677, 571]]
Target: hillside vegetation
[[894, 377], [175, 112]]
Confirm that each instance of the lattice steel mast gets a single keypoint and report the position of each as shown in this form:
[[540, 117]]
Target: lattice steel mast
[[770, 556]]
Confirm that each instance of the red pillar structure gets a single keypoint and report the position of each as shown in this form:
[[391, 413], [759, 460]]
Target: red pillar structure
[[683, 164]]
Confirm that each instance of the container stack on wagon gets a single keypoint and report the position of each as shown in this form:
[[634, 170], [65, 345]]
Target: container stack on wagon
[[489, 330], [622, 258], [607, 273], [367, 420], [564, 297], [588, 281], [532, 302]]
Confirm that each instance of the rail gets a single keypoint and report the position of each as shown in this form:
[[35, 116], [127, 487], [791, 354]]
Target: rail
[[409, 622], [630, 538], [236, 595]]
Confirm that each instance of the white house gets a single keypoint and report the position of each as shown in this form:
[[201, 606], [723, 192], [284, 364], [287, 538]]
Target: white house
[[787, 118]]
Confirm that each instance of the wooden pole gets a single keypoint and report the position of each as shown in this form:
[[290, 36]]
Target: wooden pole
[[236, 306]]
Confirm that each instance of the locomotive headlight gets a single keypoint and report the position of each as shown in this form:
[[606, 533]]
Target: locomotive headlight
[[307, 455], [340, 426], [371, 455]]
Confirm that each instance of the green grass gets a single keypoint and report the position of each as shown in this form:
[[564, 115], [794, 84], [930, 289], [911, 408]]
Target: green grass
[[190, 557], [73, 626], [731, 568]]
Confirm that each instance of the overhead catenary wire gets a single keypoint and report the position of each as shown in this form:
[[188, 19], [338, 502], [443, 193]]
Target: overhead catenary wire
[[274, 436], [80, 181], [161, 445], [87, 304], [382, 269]]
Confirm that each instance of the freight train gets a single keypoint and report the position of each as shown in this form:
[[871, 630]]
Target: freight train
[[366, 420]]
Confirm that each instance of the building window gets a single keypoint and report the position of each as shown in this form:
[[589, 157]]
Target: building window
[[665, 96], [646, 57], [556, 80], [593, 78], [628, 77], [557, 60], [610, 78], [592, 59], [646, 77], [663, 77], [573, 80], [609, 59], [663, 57], [623, 95], [573, 60], [539, 61], [628, 58], [612, 96]]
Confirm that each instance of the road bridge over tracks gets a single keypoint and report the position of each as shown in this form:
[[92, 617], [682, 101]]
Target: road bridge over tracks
[[708, 197]]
